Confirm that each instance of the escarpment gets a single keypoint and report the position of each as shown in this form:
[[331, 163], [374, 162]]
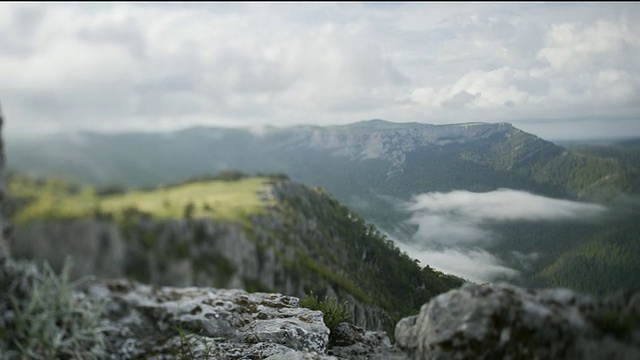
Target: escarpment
[[297, 240]]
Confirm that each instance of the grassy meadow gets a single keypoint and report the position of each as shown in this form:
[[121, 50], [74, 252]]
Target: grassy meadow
[[51, 198]]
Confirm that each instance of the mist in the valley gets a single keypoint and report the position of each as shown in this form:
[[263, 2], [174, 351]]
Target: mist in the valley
[[453, 233]]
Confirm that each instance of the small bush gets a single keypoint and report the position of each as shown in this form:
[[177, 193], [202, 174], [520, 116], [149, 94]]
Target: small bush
[[44, 318], [334, 313], [616, 323]]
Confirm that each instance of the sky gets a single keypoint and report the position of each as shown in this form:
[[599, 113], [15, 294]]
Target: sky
[[452, 235], [560, 71]]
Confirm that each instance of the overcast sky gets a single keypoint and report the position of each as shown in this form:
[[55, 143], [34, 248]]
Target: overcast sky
[[559, 71]]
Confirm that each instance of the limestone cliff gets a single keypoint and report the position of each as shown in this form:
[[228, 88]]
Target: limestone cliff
[[303, 241]]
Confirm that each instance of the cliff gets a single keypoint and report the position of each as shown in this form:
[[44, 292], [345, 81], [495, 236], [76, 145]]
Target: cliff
[[294, 241]]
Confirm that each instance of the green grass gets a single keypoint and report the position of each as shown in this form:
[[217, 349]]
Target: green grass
[[229, 200], [334, 312], [50, 320], [217, 199]]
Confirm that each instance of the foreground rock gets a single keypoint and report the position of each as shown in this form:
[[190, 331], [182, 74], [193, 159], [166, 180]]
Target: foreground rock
[[143, 321], [473, 322], [506, 322], [348, 341]]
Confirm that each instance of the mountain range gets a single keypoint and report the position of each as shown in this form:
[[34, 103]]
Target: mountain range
[[380, 169]]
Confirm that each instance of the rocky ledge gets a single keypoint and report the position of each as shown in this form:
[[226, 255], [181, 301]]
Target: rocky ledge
[[472, 322], [143, 321]]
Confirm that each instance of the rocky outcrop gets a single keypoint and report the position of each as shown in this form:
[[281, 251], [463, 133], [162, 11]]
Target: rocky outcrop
[[348, 341], [143, 321], [164, 322], [4, 251], [506, 322]]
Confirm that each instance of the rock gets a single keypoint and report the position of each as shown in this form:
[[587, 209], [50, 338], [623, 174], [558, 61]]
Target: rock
[[346, 334], [144, 321], [507, 322], [348, 341], [4, 252]]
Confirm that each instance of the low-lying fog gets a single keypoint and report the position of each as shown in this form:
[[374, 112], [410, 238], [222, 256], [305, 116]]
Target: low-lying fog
[[451, 227]]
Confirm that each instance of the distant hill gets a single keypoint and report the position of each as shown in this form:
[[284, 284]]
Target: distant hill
[[359, 163]]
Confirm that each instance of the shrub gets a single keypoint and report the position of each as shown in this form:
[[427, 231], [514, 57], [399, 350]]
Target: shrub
[[44, 318], [334, 312], [616, 323]]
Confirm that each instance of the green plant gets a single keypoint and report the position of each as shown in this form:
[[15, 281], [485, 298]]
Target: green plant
[[616, 323], [50, 320], [334, 312], [192, 346]]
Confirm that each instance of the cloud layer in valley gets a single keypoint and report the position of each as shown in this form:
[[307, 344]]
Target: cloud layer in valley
[[452, 233], [567, 70]]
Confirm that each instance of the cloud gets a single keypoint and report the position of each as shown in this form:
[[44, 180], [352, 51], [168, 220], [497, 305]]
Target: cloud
[[448, 229], [453, 229], [150, 66], [460, 99], [502, 204], [475, 265], [460, 217], [573, 47]]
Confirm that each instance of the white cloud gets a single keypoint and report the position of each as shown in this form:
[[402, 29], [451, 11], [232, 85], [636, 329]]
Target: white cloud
[[453, 234], [472, 264], [502, 204], [573, 48]]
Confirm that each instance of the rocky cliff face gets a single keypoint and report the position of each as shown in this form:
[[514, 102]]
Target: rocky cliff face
[[306, 242], [378, 139], [183, 253]]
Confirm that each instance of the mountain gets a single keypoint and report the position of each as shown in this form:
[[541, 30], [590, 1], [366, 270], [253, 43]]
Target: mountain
[[375, 167], [45, 316], [256, 233], [357, 160]]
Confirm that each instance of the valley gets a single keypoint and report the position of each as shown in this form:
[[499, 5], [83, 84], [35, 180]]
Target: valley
[[379, 169]]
